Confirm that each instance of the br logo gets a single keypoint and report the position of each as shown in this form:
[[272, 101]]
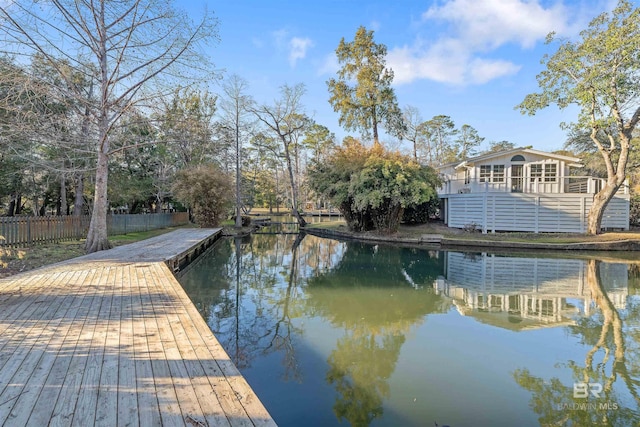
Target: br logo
[[582, 390]]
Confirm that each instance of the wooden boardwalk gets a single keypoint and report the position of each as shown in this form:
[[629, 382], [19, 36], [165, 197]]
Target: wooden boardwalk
[[111, 339]]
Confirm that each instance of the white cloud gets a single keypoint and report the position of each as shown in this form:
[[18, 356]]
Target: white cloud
[[492, 23], [295, 47], [329, 65], [475, 28], [279, 38], [447, 61], [483, 70], [298, 49]]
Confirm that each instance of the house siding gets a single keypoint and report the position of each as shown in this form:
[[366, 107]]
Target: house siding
[[537, 213]]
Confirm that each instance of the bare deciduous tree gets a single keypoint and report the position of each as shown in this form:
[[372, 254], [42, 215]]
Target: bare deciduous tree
[[286, 119], [131, 43], [235, 107]]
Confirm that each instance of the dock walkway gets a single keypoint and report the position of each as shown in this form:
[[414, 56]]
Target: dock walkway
[[112, 339]]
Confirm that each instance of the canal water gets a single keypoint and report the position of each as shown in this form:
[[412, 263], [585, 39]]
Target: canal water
[[345, 333]]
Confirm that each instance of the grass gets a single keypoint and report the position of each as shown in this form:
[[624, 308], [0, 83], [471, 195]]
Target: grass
[[17, 260]]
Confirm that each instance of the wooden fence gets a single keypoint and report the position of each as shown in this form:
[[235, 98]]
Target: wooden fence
[[30, 230]]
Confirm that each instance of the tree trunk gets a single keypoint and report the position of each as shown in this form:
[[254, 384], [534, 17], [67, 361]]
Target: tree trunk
[[616, 172], [97, 237], [238, 177], [609, 311], [600, 202], [18, 204], [294, 189], [63, 196], [11, 210], [79, 199], [36, 206], [277, 201], [376, 141]]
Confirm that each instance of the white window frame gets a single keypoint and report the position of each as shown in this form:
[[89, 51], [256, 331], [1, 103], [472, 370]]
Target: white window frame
[[548, 177], [498, 177], [485, 176]]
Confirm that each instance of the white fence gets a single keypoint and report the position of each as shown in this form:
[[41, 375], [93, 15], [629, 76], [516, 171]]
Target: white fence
[[536, 213]]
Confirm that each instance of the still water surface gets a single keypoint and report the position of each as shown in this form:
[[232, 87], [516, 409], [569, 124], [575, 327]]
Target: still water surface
[[345, 333]]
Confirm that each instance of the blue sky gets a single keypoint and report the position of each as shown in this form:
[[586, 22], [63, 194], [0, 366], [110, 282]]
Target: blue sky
[[473, 60]]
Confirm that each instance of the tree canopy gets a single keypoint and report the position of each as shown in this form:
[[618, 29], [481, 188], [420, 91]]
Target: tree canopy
[[372, 186], [599, 73], [371, 102]]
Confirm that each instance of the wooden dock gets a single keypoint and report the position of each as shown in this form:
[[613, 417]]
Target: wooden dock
[[112, 339]]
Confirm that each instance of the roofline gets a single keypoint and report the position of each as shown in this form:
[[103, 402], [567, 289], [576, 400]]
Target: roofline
[[513, 151]]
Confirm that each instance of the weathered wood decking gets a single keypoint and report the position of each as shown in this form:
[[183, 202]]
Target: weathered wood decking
[[112, 339]]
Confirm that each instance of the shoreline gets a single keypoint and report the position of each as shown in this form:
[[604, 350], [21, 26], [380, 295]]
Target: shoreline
[[440, 241]]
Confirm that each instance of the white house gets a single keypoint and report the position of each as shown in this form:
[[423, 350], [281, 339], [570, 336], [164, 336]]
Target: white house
[[524, 190], [527, 293]]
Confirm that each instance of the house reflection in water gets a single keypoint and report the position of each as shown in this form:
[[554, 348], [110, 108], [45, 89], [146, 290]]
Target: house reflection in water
[[526, 293]]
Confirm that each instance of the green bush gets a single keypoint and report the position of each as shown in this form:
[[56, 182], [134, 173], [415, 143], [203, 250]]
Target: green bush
[[207, 190], [634, 211], [372, 187], [420, 214]]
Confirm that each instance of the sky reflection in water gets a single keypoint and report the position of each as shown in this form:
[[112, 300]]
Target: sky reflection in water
[[345, 333]]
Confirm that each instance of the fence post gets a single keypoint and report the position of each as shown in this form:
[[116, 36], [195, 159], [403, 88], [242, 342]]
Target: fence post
[[29, 230]]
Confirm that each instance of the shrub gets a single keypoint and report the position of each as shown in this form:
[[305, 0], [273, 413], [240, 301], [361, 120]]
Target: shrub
[[634, 211], [372, 187], [207, 190]]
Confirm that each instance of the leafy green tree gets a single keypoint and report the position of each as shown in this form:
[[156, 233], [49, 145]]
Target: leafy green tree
[[37, 133], [634, 210], [320, 140], [600, 73], [186, 127], [372, 187], [496, 146], [468, 141], [371, 102], [441, 130], [134, 171], [207, 190]]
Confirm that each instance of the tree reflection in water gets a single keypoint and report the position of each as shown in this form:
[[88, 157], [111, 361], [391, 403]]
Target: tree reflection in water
[[605, 333], [369, 294], [266, 285]]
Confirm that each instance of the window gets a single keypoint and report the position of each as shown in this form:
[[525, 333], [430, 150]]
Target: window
[[547, 307], [467, 176], [490, 173], [536, 172], [485, 173], [498, 173], [550, 172], [517, 158]]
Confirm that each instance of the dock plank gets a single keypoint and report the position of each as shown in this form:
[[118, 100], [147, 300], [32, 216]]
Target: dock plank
[[64, 369], [112, 339], [149, 412], [63, 335]]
